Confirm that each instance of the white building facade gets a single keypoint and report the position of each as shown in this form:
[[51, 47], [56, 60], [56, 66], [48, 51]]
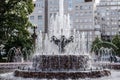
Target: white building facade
[[108, 17], [37, 17]]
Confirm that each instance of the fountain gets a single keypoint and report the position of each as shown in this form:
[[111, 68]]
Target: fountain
[[105, 54], [106, 58], [15, 55], [61, 54], [61, 58]]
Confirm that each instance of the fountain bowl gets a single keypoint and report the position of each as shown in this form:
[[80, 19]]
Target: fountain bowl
[[62, 74], [61, 67]]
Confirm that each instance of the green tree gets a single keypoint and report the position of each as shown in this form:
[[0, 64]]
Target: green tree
[[14, 22], [116, 41], [14, 17], [98, 43], [95, 47]]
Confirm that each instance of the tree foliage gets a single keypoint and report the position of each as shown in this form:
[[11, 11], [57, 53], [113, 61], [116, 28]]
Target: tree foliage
[[116, 41], [94, 44], [98, 43], [14, 22]]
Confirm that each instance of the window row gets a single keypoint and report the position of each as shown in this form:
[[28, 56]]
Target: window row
[[39, 4], [85, 7], [84, 27], [52, 2], [87, 13], [111, 33], [39, 17], [84, 20], [110, 3], [54, 9]]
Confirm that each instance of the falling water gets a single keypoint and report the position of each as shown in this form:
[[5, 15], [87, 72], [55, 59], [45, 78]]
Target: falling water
[[14, 55], [39, 43], [60, 24], [78, 46], [105, 54]]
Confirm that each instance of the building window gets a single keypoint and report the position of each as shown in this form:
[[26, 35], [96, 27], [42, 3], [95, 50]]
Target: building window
[[40, 25], [85, 7], [39, 17], [76, 14], [31, 17], [81, 7], [39, 11], [88, 0], [70, 4], [79, 0]]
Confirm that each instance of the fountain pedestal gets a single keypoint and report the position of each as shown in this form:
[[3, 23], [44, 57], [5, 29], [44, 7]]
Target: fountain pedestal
[[60, 62]]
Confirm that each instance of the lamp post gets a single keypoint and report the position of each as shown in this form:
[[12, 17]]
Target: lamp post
[[34, 36]]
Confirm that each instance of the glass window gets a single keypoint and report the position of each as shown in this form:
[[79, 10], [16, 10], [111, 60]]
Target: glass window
[[39, 17], [39, 11], [70, 4], [79, 0], [31, 17], [77, 14], [81, 7], [40, 23]]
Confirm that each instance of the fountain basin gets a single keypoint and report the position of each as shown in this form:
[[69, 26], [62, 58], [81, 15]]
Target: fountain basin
[[114, 66], [61, 67], [62, 74]]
